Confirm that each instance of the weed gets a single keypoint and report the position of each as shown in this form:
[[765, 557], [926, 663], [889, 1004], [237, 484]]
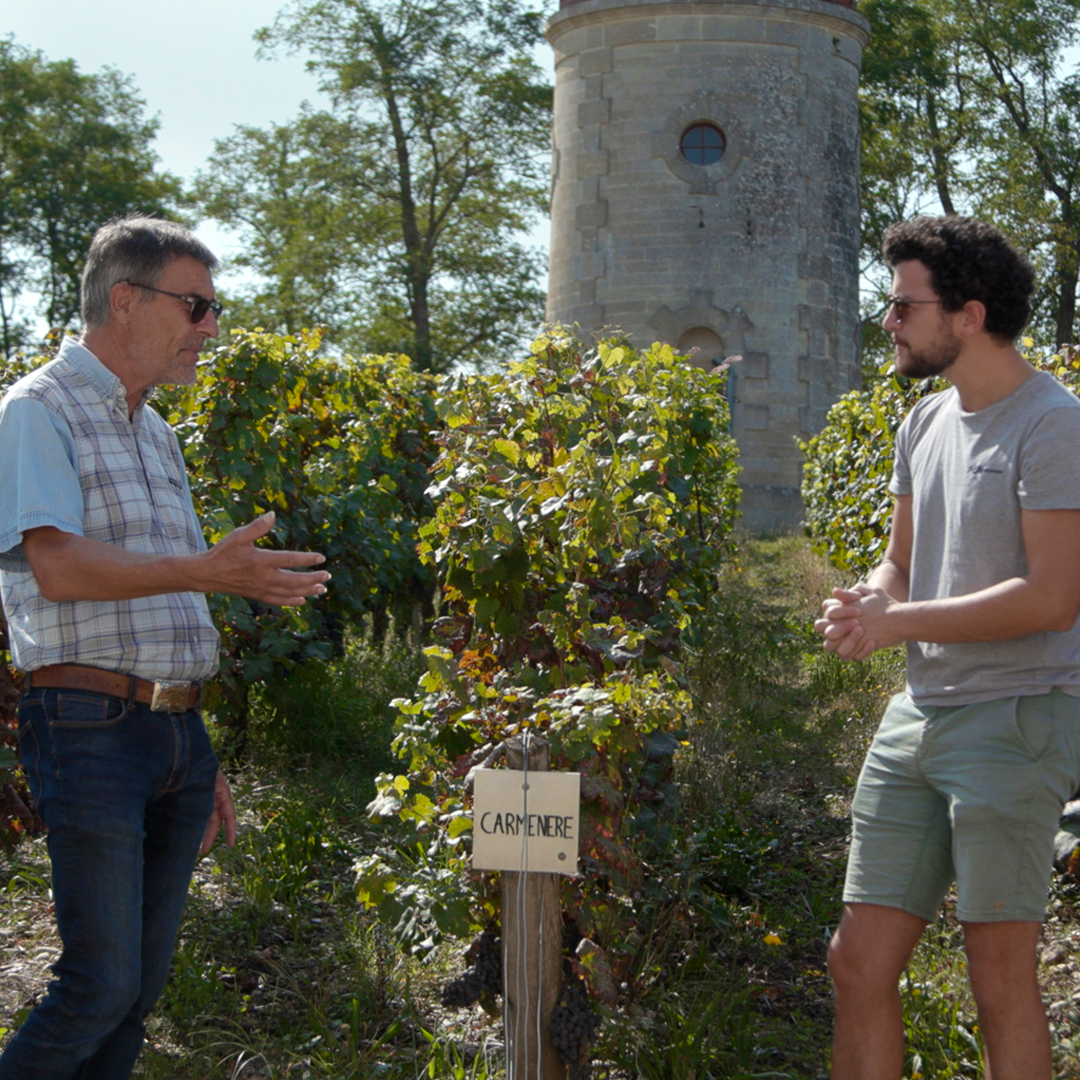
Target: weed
[[340, 709], [19, 877], [699, 1031], [276, 972], [449, 1060], [279, 975], [941, 1039]]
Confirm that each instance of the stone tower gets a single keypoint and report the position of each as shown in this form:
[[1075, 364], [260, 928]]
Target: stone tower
[[705, 192]]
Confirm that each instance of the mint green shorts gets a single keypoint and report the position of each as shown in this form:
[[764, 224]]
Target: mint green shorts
[[971, 793]]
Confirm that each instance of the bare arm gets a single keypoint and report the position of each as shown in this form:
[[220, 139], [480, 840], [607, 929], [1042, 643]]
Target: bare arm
[[891, 574], [1046, 598], [70, 567]]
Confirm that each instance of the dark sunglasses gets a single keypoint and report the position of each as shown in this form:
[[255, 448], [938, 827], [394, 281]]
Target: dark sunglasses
[[199, 304], [903, 307]]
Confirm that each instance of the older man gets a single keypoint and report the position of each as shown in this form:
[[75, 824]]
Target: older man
[[103, 568], [970, 767]]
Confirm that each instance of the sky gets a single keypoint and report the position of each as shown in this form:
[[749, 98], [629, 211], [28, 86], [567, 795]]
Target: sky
[[194, 65]]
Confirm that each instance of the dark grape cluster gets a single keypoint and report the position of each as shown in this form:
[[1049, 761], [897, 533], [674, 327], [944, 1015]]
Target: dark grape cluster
[[571, 935], [483, 979], [573, 1028]]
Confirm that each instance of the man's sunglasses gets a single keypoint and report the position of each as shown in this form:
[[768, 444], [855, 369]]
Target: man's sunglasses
[[902, 306], [199, 304]]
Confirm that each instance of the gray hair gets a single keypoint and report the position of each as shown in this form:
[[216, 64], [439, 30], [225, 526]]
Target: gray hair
[[135, 248]]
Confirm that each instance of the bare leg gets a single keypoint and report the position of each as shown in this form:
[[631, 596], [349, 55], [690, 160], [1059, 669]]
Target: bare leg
[[1003, 965], [867, 955]]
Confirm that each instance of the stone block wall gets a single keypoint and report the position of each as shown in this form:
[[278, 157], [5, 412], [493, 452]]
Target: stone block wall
[[758, 251]]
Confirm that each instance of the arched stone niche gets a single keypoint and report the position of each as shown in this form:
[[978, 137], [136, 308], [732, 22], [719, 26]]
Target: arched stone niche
[[706, 341]]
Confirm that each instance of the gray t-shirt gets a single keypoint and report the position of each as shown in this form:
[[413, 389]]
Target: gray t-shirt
[[969, 475]]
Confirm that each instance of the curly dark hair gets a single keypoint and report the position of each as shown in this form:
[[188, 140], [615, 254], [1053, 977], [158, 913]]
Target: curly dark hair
[[968, 260]]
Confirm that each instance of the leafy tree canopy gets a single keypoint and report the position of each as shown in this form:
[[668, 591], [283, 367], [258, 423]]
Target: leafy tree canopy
[[75, 150], [969, 107], [395, 218], [340, 450]]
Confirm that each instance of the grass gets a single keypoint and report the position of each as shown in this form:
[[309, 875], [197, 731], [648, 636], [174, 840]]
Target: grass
[[276, 971], [278, 974], [326, 712]]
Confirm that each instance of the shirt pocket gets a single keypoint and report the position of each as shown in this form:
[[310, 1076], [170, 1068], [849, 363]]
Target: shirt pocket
[[174, 518]]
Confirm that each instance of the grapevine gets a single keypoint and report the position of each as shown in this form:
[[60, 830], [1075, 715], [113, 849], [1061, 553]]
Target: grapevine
[[481, 981], [573, 1028]]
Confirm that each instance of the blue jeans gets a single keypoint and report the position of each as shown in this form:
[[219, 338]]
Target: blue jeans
[[126, 794]]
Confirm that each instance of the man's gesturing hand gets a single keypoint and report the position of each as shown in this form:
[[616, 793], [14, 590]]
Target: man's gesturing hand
[[235, 565]]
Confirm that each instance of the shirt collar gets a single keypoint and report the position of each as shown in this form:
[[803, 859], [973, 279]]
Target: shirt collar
[[96, 373]]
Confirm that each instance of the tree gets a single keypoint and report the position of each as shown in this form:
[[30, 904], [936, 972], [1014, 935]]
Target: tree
[[285, 187], [395, 218], [1035, 190], [966, 108], [75, 150], [584, 502]]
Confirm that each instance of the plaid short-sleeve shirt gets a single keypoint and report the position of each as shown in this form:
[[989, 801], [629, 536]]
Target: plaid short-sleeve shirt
[[70, 457]]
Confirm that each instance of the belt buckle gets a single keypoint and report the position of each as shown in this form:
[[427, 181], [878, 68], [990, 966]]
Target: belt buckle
[[171, 697]]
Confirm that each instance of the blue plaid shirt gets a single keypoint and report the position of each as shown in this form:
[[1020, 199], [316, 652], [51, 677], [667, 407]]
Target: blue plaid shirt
[[70, 457]]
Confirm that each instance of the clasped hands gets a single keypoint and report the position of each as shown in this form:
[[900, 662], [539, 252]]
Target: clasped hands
[[855, 621]]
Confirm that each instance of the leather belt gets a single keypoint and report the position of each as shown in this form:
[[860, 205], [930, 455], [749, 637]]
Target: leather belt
[[171, 697]]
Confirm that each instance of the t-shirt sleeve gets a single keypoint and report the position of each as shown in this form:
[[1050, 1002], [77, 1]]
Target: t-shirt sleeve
[[39, 484], [900, 482], [1050, 464]]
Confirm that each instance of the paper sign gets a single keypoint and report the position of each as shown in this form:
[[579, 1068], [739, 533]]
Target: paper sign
[[526, 821]]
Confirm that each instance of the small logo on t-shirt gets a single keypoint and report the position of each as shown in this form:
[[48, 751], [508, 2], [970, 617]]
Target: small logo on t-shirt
[[976, 469]]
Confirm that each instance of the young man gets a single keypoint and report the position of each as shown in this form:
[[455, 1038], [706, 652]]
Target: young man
[[102, 571], [971, 766]]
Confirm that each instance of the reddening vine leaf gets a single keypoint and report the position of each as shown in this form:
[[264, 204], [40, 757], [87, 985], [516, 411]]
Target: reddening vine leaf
[[583, 507]]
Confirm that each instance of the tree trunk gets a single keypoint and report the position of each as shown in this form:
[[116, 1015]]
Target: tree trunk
[[416, 263], [939, 158], [421, 313], [1065, 332]]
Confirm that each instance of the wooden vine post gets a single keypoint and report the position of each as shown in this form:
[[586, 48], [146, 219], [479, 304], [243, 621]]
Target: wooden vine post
[[532, 949]]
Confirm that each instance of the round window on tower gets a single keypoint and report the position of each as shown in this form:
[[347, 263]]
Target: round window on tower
[[702, 144]]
